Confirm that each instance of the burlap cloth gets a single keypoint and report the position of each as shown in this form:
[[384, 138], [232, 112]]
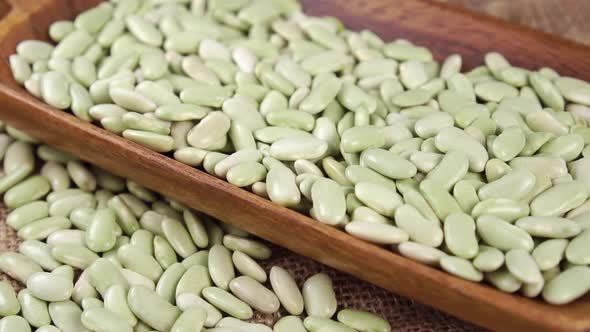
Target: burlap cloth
[[403, 314]]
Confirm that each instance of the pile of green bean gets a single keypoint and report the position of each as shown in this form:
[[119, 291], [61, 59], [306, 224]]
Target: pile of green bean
[[485, 174], [103, 254]]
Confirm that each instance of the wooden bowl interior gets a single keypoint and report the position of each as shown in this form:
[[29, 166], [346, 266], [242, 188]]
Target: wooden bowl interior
[[30, 19], [5, 7]]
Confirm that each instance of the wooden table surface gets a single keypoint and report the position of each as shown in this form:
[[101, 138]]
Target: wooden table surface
[[566, 18]]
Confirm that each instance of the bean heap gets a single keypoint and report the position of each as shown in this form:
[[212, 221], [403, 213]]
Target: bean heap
[[485, 173], [103, 254]]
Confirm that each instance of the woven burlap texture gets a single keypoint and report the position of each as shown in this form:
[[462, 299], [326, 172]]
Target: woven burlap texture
[[403, 314]]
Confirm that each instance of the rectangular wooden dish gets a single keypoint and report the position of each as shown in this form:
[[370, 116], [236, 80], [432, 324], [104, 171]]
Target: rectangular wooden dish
[[443, 29]]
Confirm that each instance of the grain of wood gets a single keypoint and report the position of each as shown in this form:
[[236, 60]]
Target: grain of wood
[[565, 18]]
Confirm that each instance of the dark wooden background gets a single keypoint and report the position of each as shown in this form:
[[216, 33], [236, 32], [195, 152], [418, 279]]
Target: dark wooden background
[[567, 18]]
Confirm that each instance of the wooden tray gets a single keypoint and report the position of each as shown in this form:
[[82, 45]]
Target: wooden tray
[[443, 29]]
